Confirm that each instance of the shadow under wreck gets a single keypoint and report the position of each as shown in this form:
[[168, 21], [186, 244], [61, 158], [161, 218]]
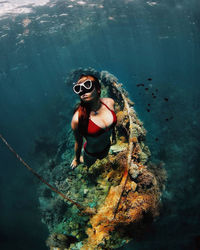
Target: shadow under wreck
[[124, 189]]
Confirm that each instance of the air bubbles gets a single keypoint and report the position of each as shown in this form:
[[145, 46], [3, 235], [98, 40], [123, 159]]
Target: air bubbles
[[81, 2], [151, 3]]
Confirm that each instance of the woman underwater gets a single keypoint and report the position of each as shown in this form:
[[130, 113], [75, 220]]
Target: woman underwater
[[93, 119]]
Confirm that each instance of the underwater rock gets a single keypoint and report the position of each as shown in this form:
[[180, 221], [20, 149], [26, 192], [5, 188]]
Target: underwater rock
[[143, 157], [118, 148], [124, 188], [134, 170], [60, 240]]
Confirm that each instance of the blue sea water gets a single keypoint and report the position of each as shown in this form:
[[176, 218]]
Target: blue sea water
[[152, 42]]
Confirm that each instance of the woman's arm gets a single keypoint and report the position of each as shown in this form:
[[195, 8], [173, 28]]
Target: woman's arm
[[78, 141], [78, 145]]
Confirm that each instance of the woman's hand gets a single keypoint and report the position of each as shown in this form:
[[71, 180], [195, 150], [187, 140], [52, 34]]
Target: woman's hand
[[76, 162]]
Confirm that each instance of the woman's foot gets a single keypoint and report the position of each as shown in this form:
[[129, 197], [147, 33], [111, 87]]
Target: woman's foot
[[81, 159]]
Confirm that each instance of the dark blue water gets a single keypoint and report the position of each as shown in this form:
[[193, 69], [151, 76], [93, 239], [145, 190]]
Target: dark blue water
[[155, 43]]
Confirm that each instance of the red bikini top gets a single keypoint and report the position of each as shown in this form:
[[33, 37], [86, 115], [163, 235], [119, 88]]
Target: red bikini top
[[94, 130]]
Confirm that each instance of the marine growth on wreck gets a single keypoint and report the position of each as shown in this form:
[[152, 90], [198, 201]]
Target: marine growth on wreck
[[122, 190]]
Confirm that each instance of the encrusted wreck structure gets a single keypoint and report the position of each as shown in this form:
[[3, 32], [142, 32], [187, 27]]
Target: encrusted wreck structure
[[121, 192]]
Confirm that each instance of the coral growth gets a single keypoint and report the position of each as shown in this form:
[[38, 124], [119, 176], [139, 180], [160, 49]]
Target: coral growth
[[125, 187], [60, 240]]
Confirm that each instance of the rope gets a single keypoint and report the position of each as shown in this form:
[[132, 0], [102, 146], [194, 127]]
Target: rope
[[79, 206], [130, 148]]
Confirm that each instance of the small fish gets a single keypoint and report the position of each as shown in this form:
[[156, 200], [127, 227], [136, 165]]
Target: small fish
[[140, 84], [149, 79], [156, 139], [146, 88], [168, 119], [166, 99], [149, 104], [148, 110], [154, 96], [156, 90]]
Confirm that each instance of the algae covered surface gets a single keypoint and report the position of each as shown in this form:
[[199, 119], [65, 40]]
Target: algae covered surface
[[123, 190]]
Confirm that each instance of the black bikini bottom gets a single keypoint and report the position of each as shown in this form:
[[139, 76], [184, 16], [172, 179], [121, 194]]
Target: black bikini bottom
[[99, 155]]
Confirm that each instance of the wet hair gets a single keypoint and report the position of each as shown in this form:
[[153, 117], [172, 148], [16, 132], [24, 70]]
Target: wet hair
[[83, 107]]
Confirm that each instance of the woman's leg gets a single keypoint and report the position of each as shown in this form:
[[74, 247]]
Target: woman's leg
[[88, 159]]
